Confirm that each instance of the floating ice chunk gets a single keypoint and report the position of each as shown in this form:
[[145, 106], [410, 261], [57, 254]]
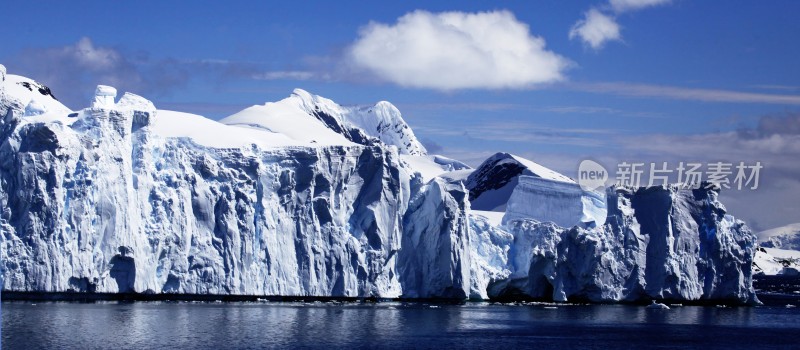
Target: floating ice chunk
[[657, 306]]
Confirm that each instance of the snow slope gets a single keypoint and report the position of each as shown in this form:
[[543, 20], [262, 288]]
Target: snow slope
[[206, 132], [285, 117], [313, 119], [433, 165], [35, 97], [772, 261]]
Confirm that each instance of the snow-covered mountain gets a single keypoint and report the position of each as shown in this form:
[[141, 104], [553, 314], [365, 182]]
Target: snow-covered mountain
[[785, 237], [773, 261], [491, 184], [35, 97], [305, 197], [314, 119], [779, 251]]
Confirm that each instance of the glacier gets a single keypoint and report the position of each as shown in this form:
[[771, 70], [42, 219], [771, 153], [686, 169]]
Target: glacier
[[304, 197]]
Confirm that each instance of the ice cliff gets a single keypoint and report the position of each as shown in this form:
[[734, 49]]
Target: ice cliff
[[305, 197], [101, 202], [661, 243]]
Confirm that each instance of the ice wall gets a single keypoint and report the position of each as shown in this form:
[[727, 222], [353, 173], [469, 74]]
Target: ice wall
[[562, 203], [658, 243], [105, 205], [97, 201]]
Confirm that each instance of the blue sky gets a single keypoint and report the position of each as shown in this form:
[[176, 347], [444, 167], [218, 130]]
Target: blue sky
[[680, 80]]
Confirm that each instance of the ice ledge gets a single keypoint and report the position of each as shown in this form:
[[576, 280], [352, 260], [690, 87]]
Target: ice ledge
[[562, 203], [104, 97]]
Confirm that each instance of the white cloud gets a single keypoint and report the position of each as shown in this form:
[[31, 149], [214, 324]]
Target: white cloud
[[596, 29], [456, 50], [634, 5]]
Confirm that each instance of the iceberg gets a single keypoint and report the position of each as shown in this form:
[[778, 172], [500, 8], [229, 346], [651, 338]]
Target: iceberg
[[304, 197]]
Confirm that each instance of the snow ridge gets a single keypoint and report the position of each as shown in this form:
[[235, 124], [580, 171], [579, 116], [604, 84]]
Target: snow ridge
[[382, 121]]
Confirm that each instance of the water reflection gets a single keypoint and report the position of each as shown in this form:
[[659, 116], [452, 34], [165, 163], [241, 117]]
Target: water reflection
[[389, 325]]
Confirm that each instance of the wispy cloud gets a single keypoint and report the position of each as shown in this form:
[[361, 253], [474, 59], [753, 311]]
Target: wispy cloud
[[777, 87], [683, 93], [467, 106], [285, 75], [72, 71], [522, 132], [582, 110], [503, 107], [620, 6]]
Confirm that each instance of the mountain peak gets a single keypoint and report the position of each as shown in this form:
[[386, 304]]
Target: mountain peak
[[303, 94], [359, 124]]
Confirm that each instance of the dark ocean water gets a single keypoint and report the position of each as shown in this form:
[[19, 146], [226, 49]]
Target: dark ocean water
[[156, 325]]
